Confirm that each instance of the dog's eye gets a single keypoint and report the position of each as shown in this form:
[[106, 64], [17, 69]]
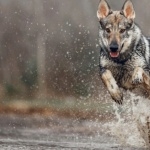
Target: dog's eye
[[107, 30], [122, 30]]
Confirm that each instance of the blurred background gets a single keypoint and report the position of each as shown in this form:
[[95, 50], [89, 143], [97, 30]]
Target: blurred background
[[49, 49]]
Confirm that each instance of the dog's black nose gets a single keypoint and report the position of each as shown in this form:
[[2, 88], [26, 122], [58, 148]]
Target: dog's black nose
[[114, 47]]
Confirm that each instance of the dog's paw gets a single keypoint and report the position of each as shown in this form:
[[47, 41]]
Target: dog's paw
[[117, 97], [137, 77]]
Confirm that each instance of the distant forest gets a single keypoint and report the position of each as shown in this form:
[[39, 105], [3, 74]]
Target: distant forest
[[49, 48]]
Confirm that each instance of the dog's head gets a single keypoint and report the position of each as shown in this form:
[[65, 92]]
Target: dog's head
[[117, 30]]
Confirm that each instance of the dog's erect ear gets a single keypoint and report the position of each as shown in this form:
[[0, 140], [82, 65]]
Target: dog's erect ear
[[128, 10], [103, 9]]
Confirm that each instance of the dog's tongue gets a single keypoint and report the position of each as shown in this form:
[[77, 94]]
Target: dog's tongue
[[114, 54]]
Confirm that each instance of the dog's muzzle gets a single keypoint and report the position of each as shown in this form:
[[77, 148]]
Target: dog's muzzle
[[114, 53]]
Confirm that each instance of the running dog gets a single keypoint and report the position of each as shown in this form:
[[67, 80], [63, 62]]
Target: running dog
[[124, 50]]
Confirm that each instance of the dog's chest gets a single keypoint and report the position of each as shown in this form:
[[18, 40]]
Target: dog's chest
[[115, 68], [117, 71]]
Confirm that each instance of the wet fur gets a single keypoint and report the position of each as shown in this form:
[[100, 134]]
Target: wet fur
[[132, 68]]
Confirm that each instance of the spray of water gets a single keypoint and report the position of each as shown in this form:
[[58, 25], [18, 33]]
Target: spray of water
[[132, 122]]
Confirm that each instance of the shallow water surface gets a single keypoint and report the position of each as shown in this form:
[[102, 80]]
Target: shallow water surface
[[44, 133]]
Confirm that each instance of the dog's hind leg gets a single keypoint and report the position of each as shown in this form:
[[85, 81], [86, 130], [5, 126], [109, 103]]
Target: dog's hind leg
[[112, 86]]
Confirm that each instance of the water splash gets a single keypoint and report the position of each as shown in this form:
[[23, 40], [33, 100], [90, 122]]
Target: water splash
[[132, 122]]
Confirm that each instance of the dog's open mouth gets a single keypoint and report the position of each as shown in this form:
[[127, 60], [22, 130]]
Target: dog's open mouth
[[114, 54]]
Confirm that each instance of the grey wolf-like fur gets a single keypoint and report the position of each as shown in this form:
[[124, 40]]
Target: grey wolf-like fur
[[131, 68]]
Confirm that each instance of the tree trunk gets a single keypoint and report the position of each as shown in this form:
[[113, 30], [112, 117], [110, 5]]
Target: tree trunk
[[41, 48]]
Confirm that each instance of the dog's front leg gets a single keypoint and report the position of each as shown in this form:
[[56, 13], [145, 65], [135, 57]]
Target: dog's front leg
[[146, 81], [137, 77], [141, 77], [112, 86]]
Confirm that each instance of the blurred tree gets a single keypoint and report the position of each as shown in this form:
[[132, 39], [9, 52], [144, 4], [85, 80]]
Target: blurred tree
[[52, 45], [41, 47]]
